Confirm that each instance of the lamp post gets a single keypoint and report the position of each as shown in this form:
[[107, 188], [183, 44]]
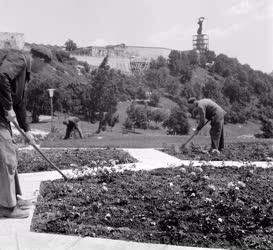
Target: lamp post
[[51, 93]]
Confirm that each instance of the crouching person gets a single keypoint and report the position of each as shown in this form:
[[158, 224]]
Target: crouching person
[[72, 124]]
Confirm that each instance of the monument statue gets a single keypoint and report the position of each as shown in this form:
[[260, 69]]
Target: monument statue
[[200, 23]]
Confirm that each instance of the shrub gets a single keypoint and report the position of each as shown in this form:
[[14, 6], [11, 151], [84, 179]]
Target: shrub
[[62, 55], [141, 94], [266, 128], [128, 124], [154, 99], [141, 117], [177, 123], [158, 116], [137, 117]]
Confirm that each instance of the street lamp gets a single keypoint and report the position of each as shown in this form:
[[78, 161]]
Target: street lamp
[[51, 93]]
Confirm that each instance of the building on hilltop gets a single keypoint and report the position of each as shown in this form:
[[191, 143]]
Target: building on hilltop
[[12, 40], [128, 59]]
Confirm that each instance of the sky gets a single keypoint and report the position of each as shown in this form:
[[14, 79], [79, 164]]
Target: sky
[[238, 28]]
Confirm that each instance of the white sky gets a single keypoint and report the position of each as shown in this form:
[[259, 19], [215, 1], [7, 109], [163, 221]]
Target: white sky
[[237, 28]]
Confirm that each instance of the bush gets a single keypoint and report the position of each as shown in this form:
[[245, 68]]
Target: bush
[[128, 124], [140, 93], [177, 123], [137, 117], [158, 116], [154, 99], [62, 55], [141, 117], [266, 128]]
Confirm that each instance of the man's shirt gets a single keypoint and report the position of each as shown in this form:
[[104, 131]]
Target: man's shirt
[[14, 73], [208, 109]]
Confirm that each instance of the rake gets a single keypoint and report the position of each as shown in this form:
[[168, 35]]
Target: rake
[[184, 145], [39, 151]]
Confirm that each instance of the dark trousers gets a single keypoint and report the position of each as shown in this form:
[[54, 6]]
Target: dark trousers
[[217, 133], [9, 181], [70, 128]]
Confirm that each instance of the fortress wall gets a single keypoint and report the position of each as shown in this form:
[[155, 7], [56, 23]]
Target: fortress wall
[[148, 52], [9, 40], [119, 57]]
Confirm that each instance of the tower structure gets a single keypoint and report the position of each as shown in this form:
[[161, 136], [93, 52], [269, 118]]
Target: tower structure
[[200, 41]]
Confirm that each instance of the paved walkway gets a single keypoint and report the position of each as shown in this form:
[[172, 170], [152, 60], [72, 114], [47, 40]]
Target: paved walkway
[[15, 233]]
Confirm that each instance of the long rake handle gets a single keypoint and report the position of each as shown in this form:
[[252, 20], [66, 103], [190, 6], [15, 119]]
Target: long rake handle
[[39, 151], [183, 145]]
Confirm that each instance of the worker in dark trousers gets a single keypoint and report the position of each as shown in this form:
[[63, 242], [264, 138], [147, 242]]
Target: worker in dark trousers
[[15, 71], [208, 109], [72, 123]]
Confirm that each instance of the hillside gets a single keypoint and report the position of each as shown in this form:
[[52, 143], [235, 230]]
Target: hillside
[[245, 94]]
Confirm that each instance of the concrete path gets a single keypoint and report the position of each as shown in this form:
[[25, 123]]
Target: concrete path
[[150, 159], [15, 233]]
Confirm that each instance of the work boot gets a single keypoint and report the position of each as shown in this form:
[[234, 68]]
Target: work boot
[[14, 213], [25, 204], [215, 152]]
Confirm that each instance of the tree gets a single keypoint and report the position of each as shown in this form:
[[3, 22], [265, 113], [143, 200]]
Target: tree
[[70, 45], [173, 86], [37, 98], [193, 57], [173, 62], [177, 123], [102, 92], [234, 90], [158, 63], [212, 90], [231, 89], [156, 78]]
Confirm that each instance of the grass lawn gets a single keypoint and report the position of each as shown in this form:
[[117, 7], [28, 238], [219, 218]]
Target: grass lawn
[[143, 139]]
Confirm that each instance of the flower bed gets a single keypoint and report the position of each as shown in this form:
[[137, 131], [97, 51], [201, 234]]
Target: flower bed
[[31, 161], [234, 152], [189, 206]]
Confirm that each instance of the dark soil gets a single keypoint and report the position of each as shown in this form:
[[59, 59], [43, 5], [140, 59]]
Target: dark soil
[[191, 206], [31, 161], [248, 151]]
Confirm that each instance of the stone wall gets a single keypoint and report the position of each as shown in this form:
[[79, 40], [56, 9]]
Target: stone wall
[[9, 40], [120, 56], [123, 51]]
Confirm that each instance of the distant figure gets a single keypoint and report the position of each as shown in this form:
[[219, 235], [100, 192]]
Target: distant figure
[[72, 124], [200, 23], [208, 109]]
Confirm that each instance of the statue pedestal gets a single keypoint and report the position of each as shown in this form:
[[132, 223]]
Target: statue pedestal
[[200, 42]]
